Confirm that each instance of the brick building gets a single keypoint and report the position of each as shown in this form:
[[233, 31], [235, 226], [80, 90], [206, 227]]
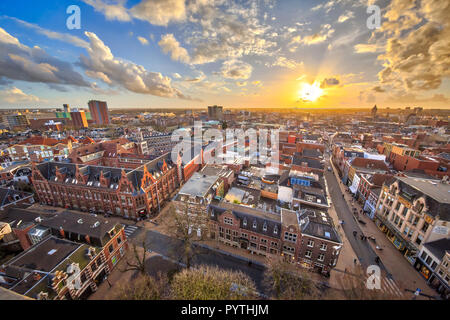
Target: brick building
[[70, 263], [131, 193]]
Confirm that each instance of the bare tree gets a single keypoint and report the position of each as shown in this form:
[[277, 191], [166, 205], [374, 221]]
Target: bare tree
[[189, 227], [136, 257], [287, 282], [145, 287], [212, 283]]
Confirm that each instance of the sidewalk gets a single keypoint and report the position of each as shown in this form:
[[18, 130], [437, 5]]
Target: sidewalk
[[401, 270]]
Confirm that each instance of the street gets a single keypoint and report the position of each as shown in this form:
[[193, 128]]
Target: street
[[362, 248]]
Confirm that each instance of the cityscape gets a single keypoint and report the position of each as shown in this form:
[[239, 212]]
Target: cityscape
[[225, 150]]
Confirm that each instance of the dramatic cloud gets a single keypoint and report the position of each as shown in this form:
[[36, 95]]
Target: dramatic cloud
[[416, 55], [125, 74], [170, 45], [15, 95], [234, 69], [20, 62], [329, 82]]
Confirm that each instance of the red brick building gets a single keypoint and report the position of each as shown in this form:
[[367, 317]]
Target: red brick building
[[131, 193]]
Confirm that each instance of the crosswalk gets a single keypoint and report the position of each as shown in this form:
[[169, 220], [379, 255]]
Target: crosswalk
[[389, 286], [129, 230]]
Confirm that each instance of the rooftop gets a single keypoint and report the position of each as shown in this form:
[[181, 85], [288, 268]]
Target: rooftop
[[198, 185]]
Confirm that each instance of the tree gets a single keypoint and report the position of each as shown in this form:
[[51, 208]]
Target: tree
[[187, 226], [286, 282], [145, 287], [212, 283], [137, 260]]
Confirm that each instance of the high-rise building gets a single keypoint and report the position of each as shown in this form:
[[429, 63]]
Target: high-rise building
[[99, 112], [17, 120], [66, 108], [215, 112], [79, 119]]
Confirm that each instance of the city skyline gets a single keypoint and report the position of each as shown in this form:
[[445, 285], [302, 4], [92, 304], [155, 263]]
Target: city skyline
[[190, 54]]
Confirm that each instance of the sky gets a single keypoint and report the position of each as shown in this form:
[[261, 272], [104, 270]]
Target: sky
[[238, 54]]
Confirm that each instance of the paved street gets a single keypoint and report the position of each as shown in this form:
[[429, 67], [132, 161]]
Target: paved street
[[362, 248], [173, 248]]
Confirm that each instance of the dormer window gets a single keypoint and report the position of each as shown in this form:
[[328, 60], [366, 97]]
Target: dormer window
[[265, 226], [244, 222], [275, 230], [254, 224]]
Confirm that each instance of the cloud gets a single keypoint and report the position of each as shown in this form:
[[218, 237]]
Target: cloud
[[417, 39], [346, 16], [20, 62], [176, 75], [325, 32], [53, 34], [170, 45], [287, 63], [156, 12], [113, 10], [142, 40], [235, 69], [160, 12], [329, 82], [128, 75], [15, 95], [378, 89], [369, 47]]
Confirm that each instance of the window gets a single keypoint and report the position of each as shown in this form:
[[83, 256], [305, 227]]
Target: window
[[263, 240], [433, 265], [254, 224], [288, 249], [423, 255], [308, 253], [111, 248], [291, 237], [425, 227], [228, 220], [419, 239], [244, 235], [265, 226], [323, 247], [405, 211], [275, 230], [119, 240], [310, 243], [397, 206], [253, 238], [244, 222], [321, 257]]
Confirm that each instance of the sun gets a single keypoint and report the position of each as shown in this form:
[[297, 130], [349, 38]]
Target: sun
[[310, 92]]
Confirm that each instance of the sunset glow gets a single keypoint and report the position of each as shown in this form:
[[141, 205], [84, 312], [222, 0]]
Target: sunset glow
[[310, 92]]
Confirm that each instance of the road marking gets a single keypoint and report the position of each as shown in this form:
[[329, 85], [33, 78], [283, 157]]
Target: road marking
[[390, 286]]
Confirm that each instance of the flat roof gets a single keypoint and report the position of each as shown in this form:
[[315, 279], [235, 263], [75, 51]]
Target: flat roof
[[434, 189], [198, 185]]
